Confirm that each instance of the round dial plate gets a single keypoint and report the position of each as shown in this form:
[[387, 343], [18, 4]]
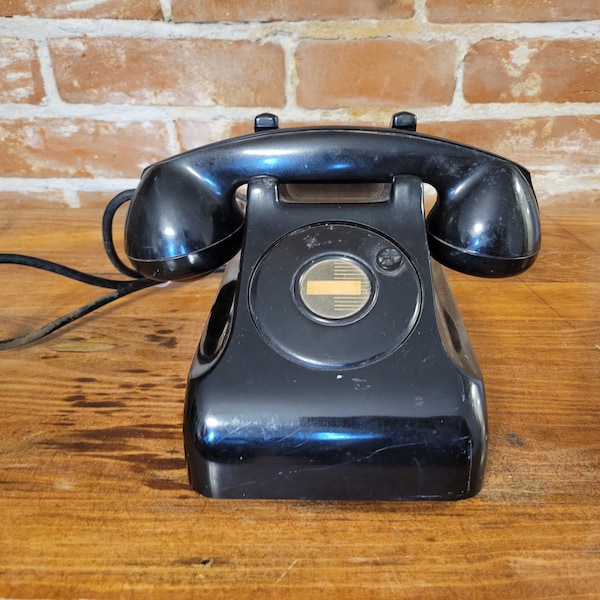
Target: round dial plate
[[321, 296]]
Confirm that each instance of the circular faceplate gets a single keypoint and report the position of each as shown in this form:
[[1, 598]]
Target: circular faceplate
[[319, 296], [335, 288]]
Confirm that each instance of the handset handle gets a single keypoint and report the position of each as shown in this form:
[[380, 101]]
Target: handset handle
[[183, 219]]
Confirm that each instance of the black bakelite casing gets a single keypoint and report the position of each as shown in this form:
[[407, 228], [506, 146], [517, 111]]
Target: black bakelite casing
[[280, 405], [284, 398]]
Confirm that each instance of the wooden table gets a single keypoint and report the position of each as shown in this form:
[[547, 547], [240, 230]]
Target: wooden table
[[94, 500]]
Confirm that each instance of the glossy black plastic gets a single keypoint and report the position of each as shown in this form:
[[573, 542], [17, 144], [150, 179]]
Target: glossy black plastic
[[263, 422], [387, 404], [184, 221]]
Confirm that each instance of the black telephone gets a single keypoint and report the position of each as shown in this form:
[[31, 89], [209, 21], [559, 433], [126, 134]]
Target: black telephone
[[334, 363]]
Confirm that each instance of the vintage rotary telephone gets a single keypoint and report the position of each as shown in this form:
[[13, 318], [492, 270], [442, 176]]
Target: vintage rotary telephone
[[334, 363]]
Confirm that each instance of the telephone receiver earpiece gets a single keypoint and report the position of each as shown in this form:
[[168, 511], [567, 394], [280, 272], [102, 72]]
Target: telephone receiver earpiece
[[184, 221]]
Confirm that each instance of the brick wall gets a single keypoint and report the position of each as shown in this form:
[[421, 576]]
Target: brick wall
[[94, 90]]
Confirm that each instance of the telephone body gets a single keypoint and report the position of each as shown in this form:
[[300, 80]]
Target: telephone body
[[334, 363]]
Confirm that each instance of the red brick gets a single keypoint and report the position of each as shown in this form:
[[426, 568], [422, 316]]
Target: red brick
[[168, 71], [193, 134], [21, 81], [375, 73], [533, 71], [96, 199], [47, 199], [507, 11], [576, 196], [276, 10], [101, 9], [561, 146], [79, 148]]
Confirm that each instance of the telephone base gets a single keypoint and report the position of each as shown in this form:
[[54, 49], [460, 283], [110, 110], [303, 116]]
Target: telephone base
[[381, 459], [287, 398], [418, 437]]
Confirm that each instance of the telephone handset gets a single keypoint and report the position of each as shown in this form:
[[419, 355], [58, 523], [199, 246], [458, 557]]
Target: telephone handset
[[334, 363], [184, 221]]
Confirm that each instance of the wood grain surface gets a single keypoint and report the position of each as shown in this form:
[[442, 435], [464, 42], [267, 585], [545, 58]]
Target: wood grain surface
[[94, 500]]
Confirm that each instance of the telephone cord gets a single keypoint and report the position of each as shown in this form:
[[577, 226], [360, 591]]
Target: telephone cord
[[121, 288]]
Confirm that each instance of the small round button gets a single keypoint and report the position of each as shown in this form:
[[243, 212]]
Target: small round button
[[389, 259], [335, 288]]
